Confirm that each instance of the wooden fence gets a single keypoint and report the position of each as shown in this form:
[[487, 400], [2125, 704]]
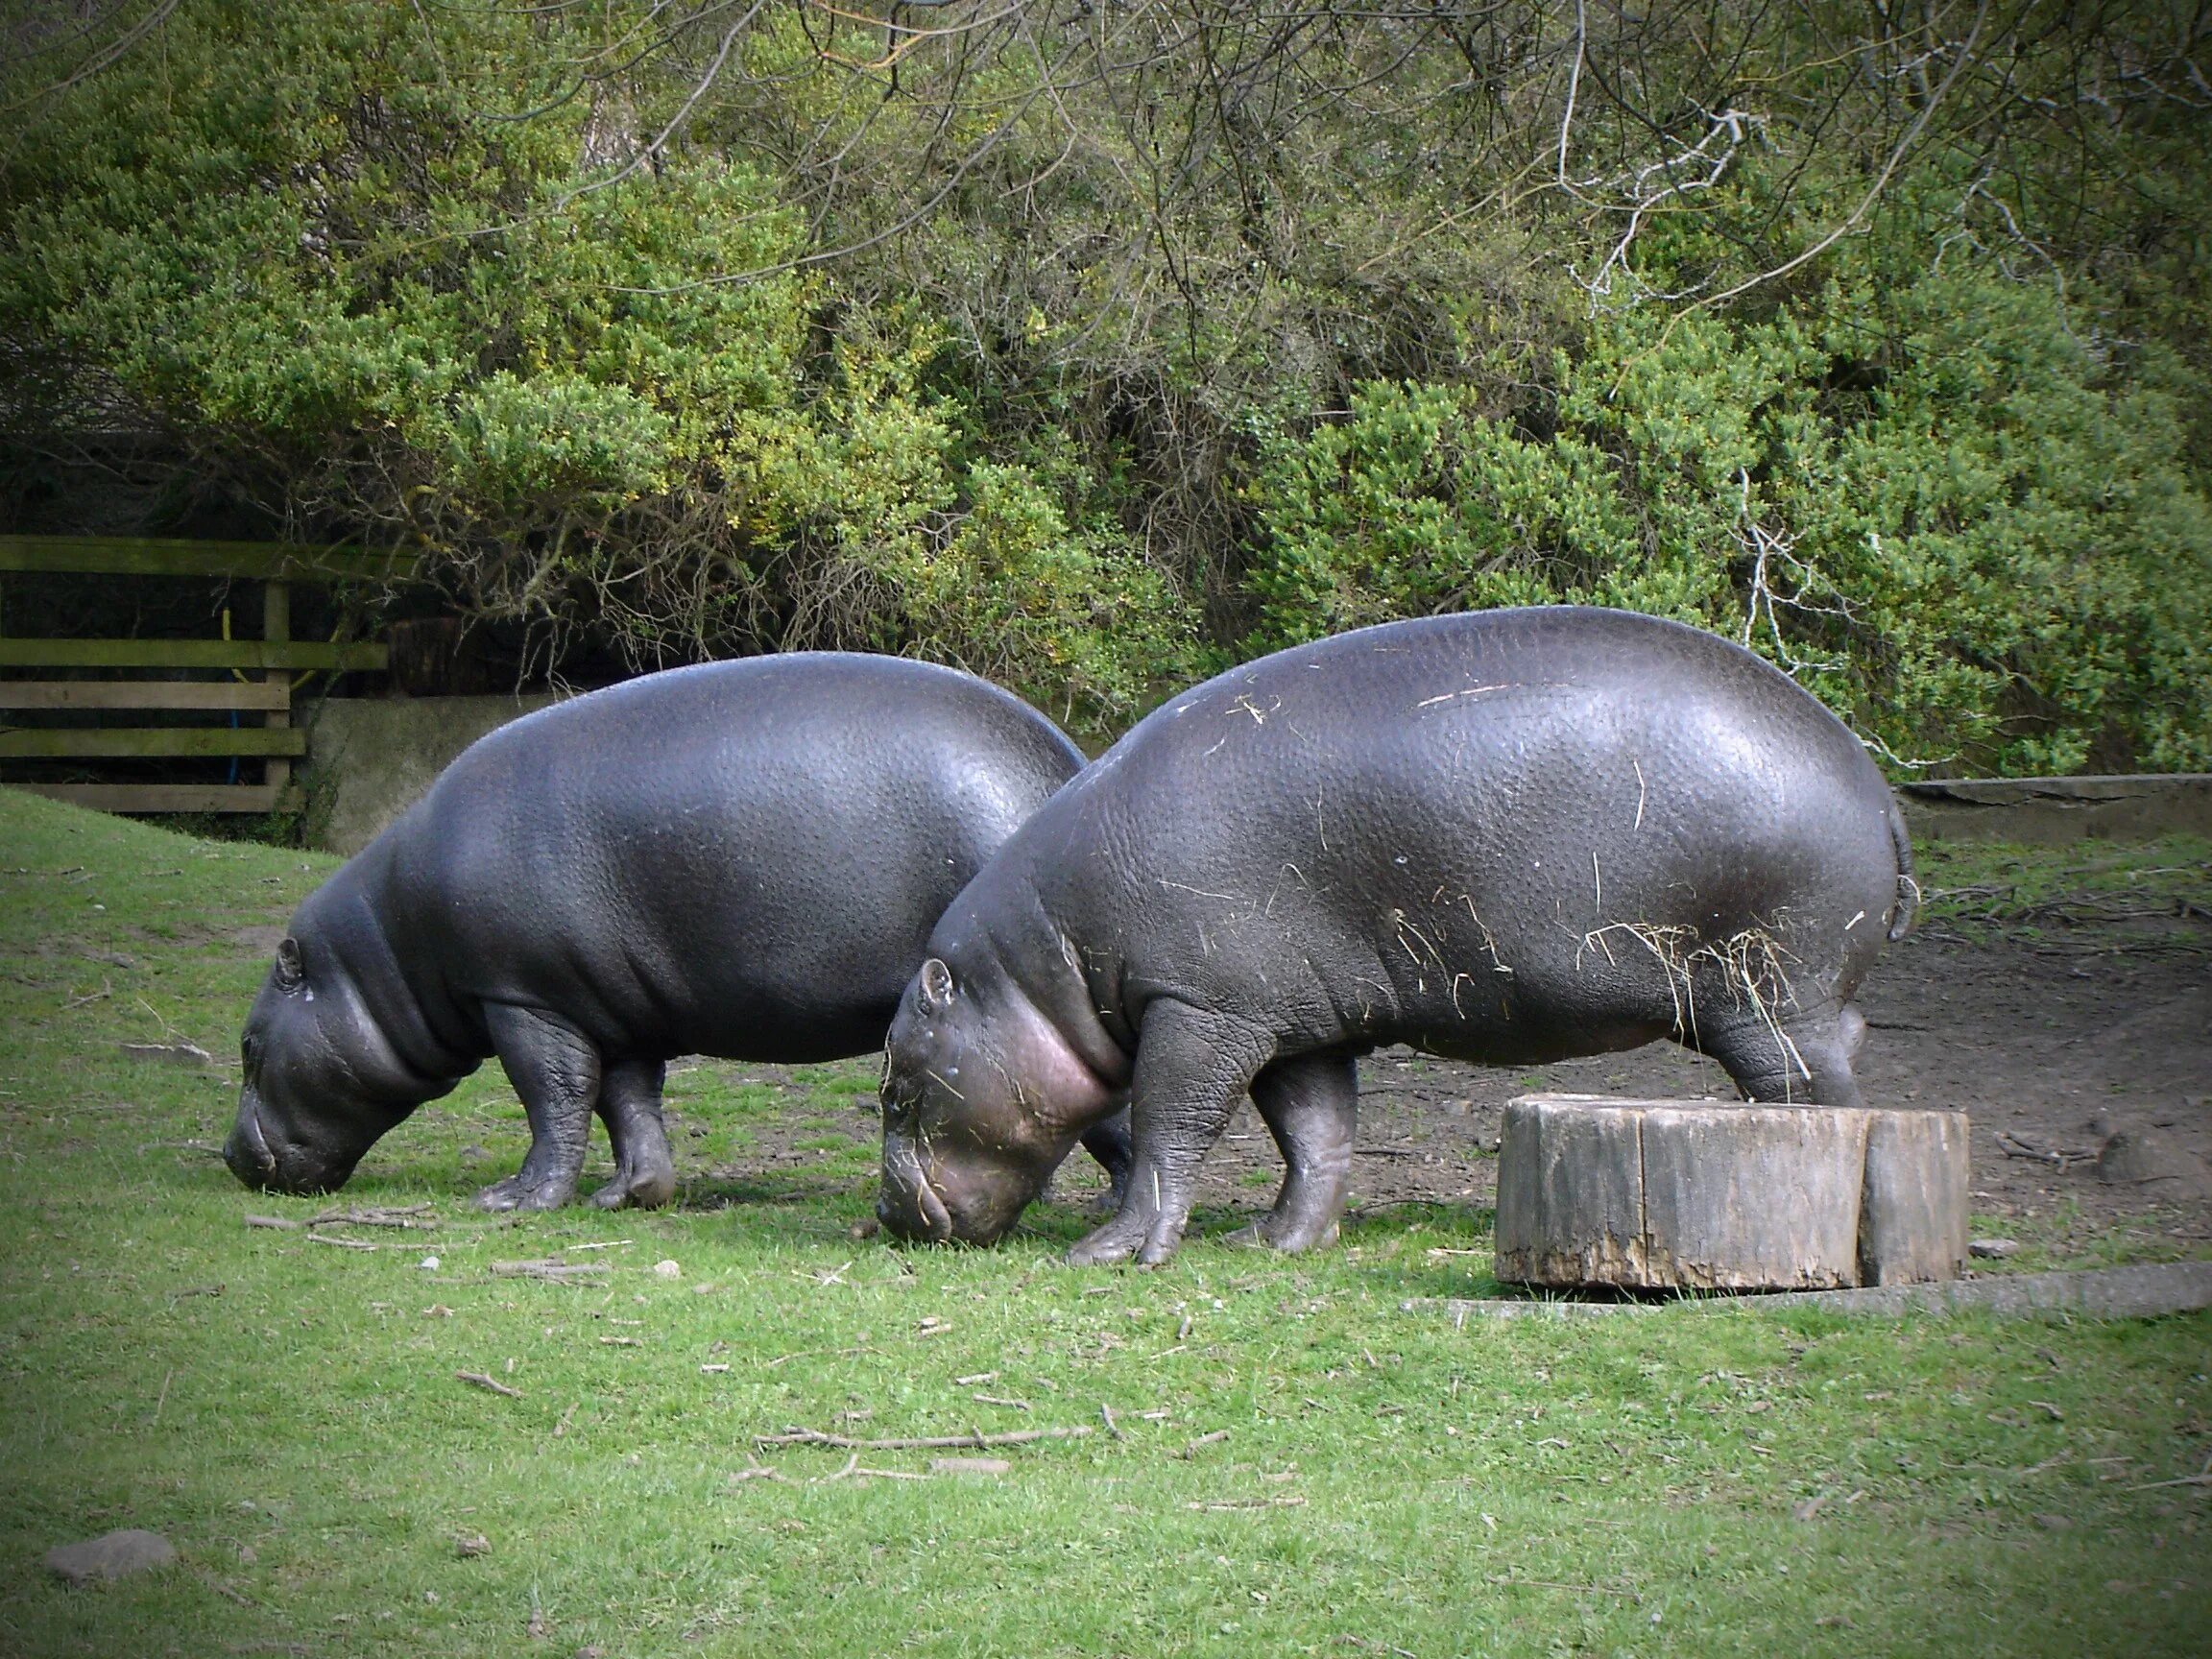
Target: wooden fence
[[147, 674]]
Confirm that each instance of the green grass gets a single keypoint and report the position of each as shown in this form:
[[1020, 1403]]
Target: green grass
[[1679, 1480]]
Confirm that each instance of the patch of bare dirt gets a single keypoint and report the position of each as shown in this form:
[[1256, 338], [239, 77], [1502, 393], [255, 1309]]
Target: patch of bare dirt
[[2051, 1052]]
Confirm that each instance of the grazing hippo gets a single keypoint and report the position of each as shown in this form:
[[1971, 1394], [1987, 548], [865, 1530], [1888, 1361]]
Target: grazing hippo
[[741, 860], [1511, 838]]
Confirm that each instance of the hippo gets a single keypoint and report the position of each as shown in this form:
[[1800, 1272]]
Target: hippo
[[1509, 838], [741, 860]]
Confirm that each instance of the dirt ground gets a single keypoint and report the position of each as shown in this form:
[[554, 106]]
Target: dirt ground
[[2050, 1046]]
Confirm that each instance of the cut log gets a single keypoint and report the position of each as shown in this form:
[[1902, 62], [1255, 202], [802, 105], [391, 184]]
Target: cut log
[[1666, 1195]]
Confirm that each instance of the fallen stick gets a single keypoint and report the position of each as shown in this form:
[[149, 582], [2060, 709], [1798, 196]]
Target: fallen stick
[[477, 1378], [1219, 1435], [376, 1215], [919, 1443], [1292, 1502], [553, 1272], [342, 1243], [1575, 1589], [278, 1222]]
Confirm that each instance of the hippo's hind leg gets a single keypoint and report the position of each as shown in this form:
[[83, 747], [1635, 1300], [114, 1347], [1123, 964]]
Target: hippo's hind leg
[[1310, 1104], [556, 1071], [1789, 1055], [1108, 1142], [629, 1106]]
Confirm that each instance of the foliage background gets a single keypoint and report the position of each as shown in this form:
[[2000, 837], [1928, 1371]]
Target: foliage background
[[1096, 343]]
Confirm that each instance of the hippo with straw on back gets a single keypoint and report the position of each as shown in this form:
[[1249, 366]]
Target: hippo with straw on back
[[1509, 838], [740, 859]]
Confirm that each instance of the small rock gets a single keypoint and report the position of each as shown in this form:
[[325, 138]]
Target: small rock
[[474, 1154], [1991, 1249], [866, 1229], [2053, 1523], [467, 1544], [110, 1556], [969, 1466], [667, 1270], [428, 1263], [2154, 1163], [168, 1053]]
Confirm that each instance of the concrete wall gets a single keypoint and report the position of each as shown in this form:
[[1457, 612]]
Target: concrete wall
[[2048, 811], [369, 758]]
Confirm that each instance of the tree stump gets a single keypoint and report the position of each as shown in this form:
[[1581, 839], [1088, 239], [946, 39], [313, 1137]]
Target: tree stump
[[1658, 1196]]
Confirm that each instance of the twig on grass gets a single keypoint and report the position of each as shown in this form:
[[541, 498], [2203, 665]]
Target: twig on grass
[[1630, 1594], [1010, 1405], [342, 1243], [2202, 1478], [479, 1380], [376, 1215], [552, 1272], [1218, 1435], [1106, 1414], [854, 1471], [283, 1223], [177, 1296], [561, 1428], [919, 1443], [1293, 1502]]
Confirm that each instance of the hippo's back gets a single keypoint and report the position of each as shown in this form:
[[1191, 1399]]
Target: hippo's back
[[740, 858], [1420, 801]]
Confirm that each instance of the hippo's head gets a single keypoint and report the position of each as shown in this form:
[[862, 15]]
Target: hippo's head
[[983, 1099], [322, 1084]]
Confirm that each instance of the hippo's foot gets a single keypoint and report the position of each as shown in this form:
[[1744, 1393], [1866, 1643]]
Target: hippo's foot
[[642, 1189], [524, 1192], [1290, 1235], [1117, 1242]]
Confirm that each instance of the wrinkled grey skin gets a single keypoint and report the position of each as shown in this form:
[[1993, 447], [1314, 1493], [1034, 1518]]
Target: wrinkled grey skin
[[741, 860], [1511, 838]]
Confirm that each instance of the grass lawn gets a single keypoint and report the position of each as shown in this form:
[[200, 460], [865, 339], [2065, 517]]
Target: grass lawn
[[1294, 1464]]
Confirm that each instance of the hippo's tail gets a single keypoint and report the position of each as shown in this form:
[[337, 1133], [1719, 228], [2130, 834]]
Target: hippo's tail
[[1908, 886]]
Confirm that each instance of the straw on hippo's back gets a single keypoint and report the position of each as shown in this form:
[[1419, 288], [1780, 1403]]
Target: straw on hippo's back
[[740, 859], [1509, 838]]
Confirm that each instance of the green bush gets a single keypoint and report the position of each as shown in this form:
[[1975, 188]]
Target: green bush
[[1991, 559]]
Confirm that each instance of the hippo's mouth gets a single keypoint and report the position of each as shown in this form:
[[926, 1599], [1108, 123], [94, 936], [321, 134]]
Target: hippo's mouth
[[910, 1205]]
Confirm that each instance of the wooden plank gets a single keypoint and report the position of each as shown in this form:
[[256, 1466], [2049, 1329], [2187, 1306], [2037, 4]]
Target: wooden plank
[[116, 742], [263, 653], [143, 694], [277, 629], [168, 797], [154, 555]]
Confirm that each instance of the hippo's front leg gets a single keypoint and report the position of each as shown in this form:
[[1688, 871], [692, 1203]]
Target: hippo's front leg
[[556, 1071], [629, 1106], [1192, 1064], [1310, 1104]]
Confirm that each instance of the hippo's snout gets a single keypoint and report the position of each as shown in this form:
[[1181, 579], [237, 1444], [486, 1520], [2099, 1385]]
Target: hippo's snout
[[247, 1151], [909, 1205]]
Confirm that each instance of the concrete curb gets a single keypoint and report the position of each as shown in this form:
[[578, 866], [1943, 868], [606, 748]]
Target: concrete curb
[[2095, 1293]]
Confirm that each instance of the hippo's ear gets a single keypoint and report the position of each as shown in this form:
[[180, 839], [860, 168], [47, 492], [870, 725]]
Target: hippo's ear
[[937, 988], [289, 970]]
